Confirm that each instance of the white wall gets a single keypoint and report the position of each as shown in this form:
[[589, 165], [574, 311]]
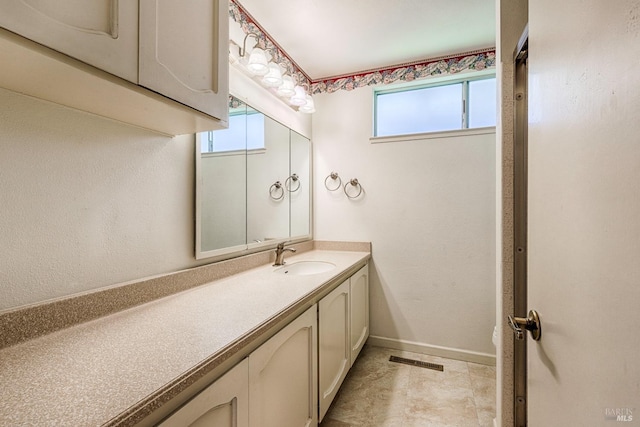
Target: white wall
[[428, 208], [87, 202]]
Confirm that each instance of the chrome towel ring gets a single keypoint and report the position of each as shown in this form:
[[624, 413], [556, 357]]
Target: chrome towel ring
[[334, 176], [354, 183], [275, 189], [289, 181]]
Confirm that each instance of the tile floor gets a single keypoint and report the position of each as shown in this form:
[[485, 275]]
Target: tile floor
[[379, 393]]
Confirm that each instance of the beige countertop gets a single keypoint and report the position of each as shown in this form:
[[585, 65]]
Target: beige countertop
[[117, 369]]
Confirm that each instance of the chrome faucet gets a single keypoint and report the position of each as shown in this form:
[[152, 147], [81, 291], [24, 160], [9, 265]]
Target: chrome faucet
[[280, 250]]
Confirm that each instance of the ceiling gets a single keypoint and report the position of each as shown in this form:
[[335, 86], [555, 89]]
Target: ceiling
[[329, 38]]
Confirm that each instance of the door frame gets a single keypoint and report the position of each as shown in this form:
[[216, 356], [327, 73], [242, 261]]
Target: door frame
[[520, 186]]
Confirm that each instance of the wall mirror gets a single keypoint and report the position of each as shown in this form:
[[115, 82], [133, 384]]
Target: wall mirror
[[252, 185]]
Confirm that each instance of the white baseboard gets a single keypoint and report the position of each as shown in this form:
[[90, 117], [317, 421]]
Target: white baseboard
[[433, 350]]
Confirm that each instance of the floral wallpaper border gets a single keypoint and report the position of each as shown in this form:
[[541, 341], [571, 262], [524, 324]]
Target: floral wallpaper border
[[469, 61], [477, 60]]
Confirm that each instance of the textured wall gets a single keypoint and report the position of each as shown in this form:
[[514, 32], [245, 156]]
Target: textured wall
[[428, 208], [87, 202]]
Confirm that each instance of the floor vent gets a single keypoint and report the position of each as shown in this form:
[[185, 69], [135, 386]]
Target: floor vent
[[417, 363]]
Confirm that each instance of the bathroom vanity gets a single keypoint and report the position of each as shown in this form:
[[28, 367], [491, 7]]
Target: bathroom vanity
[[244, 344]]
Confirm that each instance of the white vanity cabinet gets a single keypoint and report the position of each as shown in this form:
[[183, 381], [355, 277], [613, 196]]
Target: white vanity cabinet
[[343, 329], [283, 387], [102, 33], [359, 310], [291, 379], [225, 403], [334, 344], [157, 64]]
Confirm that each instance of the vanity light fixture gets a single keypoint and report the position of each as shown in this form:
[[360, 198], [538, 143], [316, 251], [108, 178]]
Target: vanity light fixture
[[300, 97], [242, 51], [257, 63], [273, 78], [308, 107], [286, 89]]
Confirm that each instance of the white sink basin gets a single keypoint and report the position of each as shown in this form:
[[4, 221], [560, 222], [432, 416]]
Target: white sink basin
[[305, 268]]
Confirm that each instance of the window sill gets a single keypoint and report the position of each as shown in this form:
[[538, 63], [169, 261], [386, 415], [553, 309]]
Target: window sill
[[234, 152], [433, 135]]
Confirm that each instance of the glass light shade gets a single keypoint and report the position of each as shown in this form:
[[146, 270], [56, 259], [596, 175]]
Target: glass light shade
[[273, 78], [258, 62], [300, 98], [309, 106], [286, 89]]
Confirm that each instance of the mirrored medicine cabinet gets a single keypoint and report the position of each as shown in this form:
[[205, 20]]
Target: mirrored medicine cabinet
[[253, 185]]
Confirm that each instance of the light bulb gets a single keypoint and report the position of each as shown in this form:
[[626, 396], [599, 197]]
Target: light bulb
[[273, 78], [300, 98], [309, 106], [258, 62], [286, 89]]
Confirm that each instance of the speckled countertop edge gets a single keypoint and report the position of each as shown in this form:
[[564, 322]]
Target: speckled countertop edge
[[146, 406]]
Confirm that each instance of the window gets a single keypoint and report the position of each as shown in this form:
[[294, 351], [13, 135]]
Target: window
[[482, 103], [459, 104]]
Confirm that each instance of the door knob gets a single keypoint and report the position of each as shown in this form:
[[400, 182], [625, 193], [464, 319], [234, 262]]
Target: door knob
[[531, 324]]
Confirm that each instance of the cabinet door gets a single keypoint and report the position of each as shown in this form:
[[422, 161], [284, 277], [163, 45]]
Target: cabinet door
[[334, 349], [283, 387], [359, 311], [184, 49], [223, 404], [102, 33]]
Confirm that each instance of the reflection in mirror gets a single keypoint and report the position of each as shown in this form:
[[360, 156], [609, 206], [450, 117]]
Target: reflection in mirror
[[239, 206], [300, 152], [223, 165], [268, 206]]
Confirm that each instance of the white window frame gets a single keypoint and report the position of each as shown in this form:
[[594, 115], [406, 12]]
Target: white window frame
[[436, 82]]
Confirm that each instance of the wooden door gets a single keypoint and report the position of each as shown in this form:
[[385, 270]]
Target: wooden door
[[584, 212]]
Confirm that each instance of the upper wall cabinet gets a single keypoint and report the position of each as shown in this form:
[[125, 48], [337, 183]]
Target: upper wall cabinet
[[102, 33], [170, 65], [178, 53]]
